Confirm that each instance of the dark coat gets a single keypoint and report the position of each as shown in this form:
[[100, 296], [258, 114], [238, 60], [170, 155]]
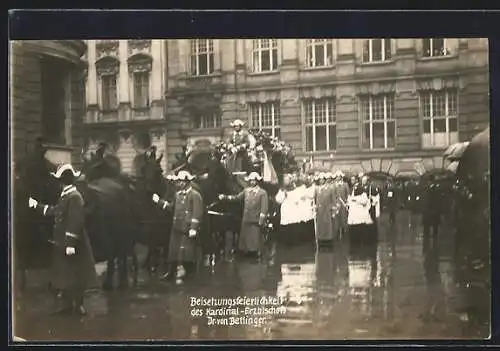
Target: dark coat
[[255, 211], [432, 205], [188, 212], [78, 270]]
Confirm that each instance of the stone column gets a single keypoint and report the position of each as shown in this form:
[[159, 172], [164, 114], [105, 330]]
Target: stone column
[[157, 79], [346, 57], [92, 86], [92, 74], [183, 55], [406, 55], [289, 99], [123, 82]]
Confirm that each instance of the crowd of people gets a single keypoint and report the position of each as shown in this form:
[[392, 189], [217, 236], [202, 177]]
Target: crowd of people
[[323, 204], [327, 206]]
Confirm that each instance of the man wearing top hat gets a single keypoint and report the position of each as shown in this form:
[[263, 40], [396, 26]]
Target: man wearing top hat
[[240, 143], [255, 211], [73, 266], [188, 213]]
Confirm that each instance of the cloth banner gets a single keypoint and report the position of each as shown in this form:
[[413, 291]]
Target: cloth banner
[[268, 172]]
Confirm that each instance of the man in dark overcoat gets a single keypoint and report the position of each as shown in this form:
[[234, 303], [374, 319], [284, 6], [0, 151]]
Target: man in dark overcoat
[[73, 266], [432, 204], [188, 212], [255, 211]]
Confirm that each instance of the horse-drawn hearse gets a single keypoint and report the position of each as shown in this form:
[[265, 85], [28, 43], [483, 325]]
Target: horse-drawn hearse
[[119, 210]]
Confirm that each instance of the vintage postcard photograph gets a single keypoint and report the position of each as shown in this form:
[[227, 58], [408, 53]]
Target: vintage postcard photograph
[[250, 189]]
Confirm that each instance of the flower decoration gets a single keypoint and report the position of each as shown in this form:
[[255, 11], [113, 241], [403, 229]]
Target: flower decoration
[[264, 143]]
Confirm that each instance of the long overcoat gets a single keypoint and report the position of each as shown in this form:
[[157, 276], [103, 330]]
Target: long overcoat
[[325, 200], [188, 213], [255, 210], [70, 271], [342, 193]]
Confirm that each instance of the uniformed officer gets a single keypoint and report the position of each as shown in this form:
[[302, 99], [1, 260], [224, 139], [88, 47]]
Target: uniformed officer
[[255, 211], [188, 213], [241, 142], [73, 267]]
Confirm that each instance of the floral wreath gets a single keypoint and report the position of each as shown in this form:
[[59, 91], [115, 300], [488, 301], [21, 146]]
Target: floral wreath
[[264, 143]]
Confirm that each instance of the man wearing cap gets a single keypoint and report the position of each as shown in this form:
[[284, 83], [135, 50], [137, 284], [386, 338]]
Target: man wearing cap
[[73, 266], [240, 143], [188, 212], [255, 211]]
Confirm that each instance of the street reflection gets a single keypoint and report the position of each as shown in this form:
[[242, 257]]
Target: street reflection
[[400, 287]]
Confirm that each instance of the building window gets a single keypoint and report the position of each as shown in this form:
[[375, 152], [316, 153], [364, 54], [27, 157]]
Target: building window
[[320, 124], [434, 47], [379, 125], [54, 85], [265, 55], [377, 50], [266, 117], [109, 93], [141, 90], [319, 53], [213, 120], [440, 118], [202, 57]]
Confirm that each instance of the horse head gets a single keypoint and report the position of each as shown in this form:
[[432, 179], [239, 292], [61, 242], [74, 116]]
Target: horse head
[[150, 175]]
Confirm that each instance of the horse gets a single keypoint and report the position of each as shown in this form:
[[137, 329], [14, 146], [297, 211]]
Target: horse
[[223, 217], [221, 222], [111, 217], [30, 232], [153, 220]]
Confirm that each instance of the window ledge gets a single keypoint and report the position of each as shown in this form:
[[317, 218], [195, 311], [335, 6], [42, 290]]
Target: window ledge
[[202, 76], [322, 153], [435, 148], [392, 149], [378, 63], [317, 68], [266, 73], [436, 58]]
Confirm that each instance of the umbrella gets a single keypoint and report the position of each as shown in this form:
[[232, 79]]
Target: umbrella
[[453, 166], [475, 161], [455, 151]]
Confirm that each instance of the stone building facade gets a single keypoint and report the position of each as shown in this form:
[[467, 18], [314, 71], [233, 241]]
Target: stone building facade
[[389, 105], [47, 95], [125, 97], [362, 104]]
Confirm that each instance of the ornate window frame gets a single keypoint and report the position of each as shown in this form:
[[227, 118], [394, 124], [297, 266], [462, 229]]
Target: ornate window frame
[[139, 63], [107, 66]]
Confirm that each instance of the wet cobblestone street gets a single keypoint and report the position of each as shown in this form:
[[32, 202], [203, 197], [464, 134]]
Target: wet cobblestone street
[[405, 291]]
